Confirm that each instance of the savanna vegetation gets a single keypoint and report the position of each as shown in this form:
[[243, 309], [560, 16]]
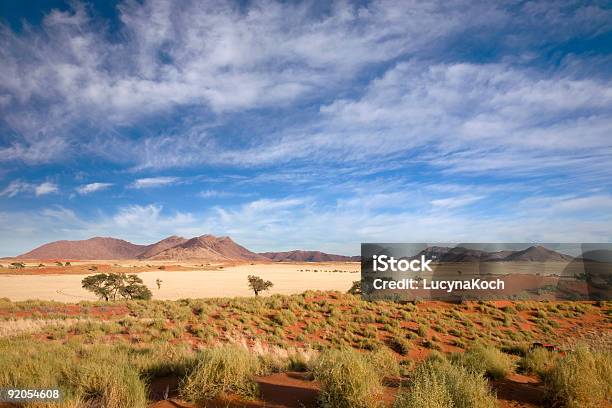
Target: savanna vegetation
[[435, 354]]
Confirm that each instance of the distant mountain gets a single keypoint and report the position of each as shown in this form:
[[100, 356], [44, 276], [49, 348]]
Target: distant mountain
[[158, 247], [308, 256], [451, 254], [206, 247], [461, 254], [209, 247], [538, 254], [93, 248]]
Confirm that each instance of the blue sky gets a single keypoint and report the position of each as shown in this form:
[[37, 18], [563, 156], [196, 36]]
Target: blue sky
[[306, 125]]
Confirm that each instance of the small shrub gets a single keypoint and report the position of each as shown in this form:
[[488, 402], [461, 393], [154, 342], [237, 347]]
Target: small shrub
[[538, 361], [284, 318], [384, 362], [487, 360], [347, 379], [400, 345], [221, 370], [430, 344], [582, 379], [439, 384]]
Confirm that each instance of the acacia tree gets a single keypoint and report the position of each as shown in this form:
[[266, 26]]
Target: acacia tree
[[259, 285], [98, 284], [109, 286], [134, 288]]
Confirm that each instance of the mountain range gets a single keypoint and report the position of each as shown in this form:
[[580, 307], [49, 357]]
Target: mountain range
[[308, 256], [205, 247], [212, 248], [535, 253]]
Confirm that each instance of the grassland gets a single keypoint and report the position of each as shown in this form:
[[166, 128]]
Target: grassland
[[117, 354]]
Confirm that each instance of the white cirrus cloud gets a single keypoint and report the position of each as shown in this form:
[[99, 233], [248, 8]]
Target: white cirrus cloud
[[216, 58], [20, 187], [290, 223], [149, 182], [455, 202], [92, 187], [45, 188], [16, 187]]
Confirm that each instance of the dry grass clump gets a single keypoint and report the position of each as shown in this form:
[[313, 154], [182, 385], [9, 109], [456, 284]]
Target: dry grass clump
[[538, 361], [400, 345], [221, 370], [582, 379], [439, 384], [384, 362], [108, 385], [485, 360], [347, 379], [87, 376]]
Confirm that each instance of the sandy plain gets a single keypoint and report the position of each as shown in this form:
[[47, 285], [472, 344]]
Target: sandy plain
[[231, 280]]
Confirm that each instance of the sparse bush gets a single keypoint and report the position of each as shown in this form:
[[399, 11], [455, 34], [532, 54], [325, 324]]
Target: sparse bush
[[582, 379], [400, 345], [485, 360], [430, 344], [438, 384], [17, 265], [347, 379], [221, 370], [383, 361], [284, 318], [538, 361]]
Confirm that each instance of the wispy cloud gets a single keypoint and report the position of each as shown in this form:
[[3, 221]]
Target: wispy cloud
[[45, 188], [306, 223], [223, 194], [18, 187], [455, 202], [92, 187], [149, 182], [217, 58]]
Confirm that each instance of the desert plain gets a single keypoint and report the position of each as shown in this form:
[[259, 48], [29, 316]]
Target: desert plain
[[179, 281]]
